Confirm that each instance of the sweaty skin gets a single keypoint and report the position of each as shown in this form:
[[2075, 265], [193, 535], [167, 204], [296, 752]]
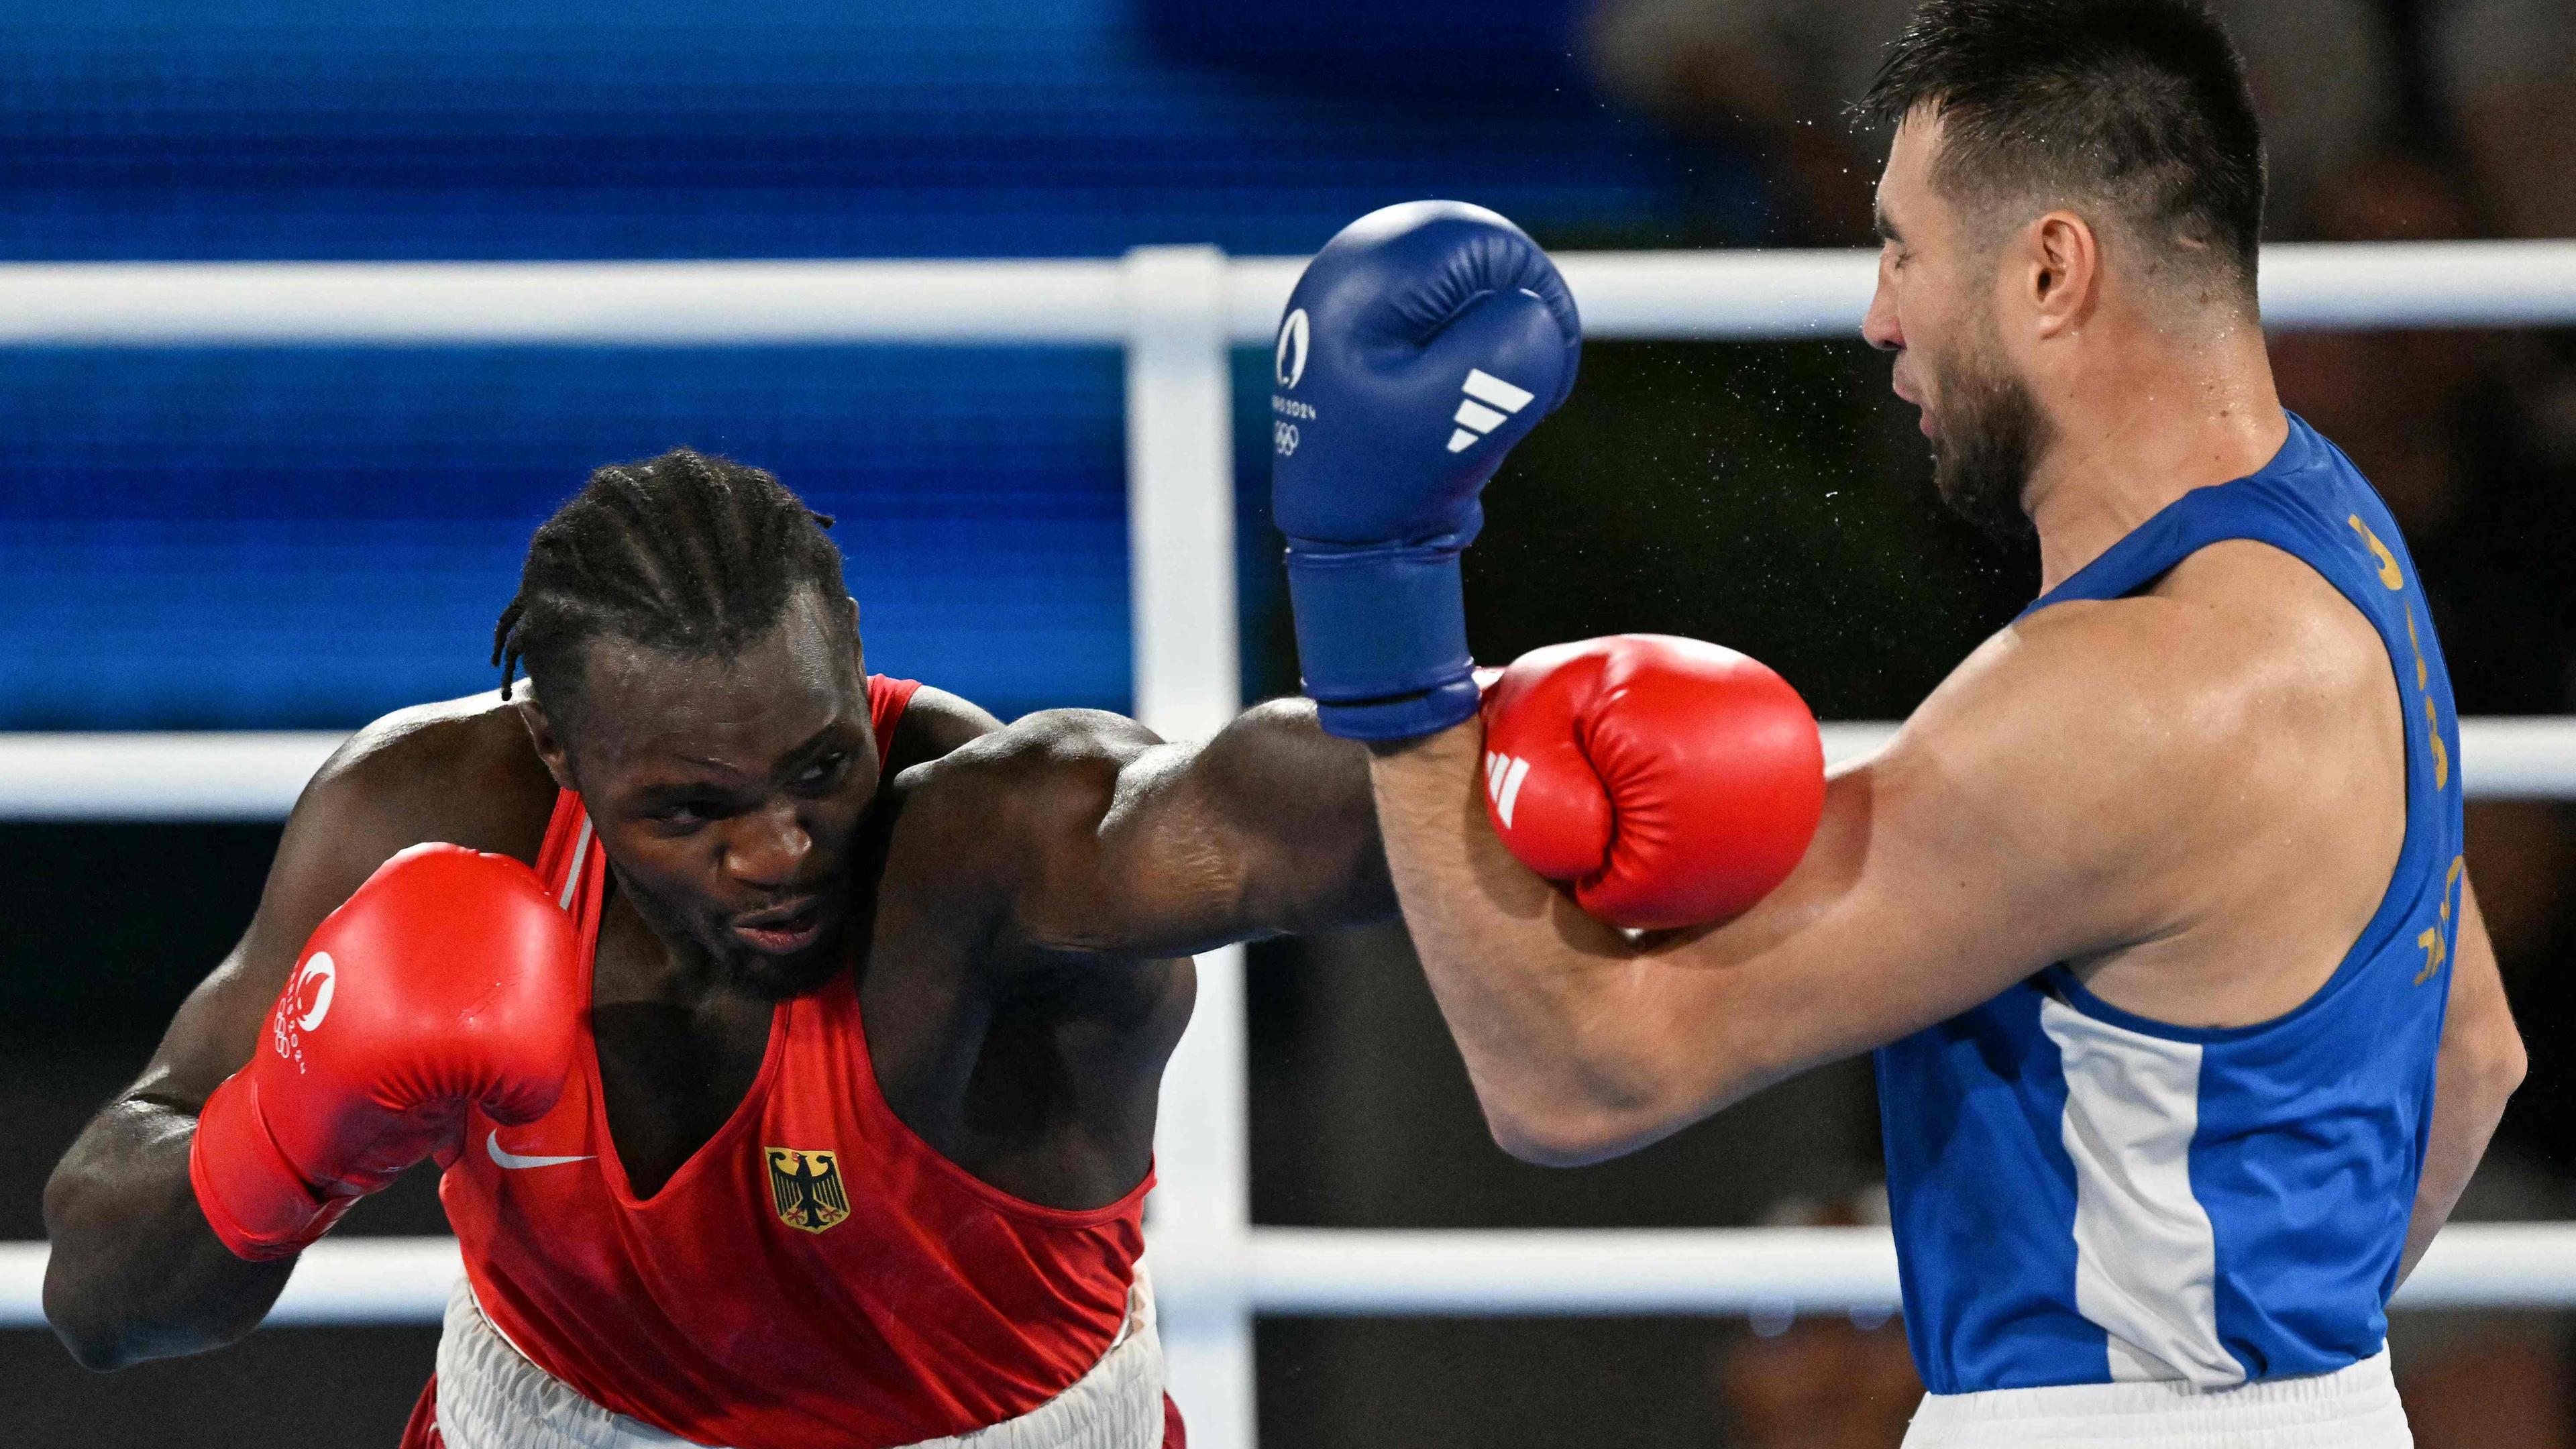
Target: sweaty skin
[[2194, 796], [1017, 903]]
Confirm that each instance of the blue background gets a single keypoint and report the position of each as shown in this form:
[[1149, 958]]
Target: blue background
[[307, 537]]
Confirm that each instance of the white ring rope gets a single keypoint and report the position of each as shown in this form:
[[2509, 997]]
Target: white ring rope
[[1739, 294], [1324, 1272], [256, 776]]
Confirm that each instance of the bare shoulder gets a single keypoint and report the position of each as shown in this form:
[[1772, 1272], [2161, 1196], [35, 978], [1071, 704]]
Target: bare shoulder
[[2076, 692], [2286, 638], [1036, 769], [2301, 692], [459, 770], [1013, 807], [935, 723], [2118, 731], [462, 771]]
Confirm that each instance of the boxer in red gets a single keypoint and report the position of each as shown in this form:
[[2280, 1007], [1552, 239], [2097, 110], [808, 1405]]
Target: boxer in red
[[790, 1036]]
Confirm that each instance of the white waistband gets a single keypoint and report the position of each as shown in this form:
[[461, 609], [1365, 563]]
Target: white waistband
[[491, 1397], [2354, 1407]]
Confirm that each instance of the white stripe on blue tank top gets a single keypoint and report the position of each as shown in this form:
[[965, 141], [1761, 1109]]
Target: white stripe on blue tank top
[[2146, 1257]]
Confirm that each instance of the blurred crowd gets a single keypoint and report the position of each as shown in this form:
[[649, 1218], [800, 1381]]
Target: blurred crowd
[[2386, 121], [2478, 89]]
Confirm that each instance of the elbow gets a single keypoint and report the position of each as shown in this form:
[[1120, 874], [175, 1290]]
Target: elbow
[[1569, 1135], [104, 1332], [83, 1304], [94, 1349], [104, 1335], [2504, 1064], [2481, 1068], [98, 1341], [1552, 1148], [2485, 1053], [1599, 1106], [132, 1272]]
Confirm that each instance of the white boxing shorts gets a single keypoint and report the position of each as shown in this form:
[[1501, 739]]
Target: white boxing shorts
[[2354, 1407], [491, 1397]]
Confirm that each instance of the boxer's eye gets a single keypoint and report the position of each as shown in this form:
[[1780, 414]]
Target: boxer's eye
[[823, 772], [684, 814]]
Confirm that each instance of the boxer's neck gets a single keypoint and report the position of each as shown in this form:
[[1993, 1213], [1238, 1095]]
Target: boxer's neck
[[2138, 417]]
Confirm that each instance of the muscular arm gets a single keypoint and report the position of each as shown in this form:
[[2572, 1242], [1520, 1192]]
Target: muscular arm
[[135, 1273], [2038, 808], [1132, 847], [2481, 1062]]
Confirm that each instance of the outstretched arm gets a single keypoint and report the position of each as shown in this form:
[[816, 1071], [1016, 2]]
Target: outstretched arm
[[1140, 848], [1267, 829]]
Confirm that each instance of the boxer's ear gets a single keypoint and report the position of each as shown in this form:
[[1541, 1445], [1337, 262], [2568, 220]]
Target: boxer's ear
[[2064, 272], [542, 734]]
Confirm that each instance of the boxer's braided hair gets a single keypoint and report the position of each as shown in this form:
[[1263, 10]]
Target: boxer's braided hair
[[684, 552]]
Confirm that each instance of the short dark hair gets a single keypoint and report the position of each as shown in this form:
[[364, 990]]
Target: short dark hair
[[2141, 105], [684, 552]]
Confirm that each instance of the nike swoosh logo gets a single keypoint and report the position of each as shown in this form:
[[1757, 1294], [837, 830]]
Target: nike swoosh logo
[[512, 1160]]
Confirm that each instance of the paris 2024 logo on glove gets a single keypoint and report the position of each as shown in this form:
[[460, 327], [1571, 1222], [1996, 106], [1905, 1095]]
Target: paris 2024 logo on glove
[[303, 1007], [1288, 368]]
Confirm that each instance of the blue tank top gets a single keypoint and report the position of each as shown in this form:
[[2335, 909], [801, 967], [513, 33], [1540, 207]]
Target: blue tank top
[[2082, 1195]]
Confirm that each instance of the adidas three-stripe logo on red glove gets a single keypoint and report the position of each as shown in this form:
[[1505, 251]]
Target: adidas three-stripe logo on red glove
[[1667, 781]]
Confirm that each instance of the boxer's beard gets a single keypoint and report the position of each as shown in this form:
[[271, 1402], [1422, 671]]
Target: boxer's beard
[[1987, 432]]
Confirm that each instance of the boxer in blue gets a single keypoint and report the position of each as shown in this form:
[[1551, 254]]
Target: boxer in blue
[[2188, 1033]]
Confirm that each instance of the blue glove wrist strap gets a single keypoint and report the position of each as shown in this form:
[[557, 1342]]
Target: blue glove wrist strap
[[1408, 718], [1382, 634]]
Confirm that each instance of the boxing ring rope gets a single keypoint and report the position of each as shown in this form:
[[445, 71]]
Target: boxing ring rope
[[253, 776], [1177, 312], [1663, 295], [1334, 1272]]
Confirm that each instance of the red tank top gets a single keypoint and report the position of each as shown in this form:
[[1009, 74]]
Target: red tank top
[[813, 1277]]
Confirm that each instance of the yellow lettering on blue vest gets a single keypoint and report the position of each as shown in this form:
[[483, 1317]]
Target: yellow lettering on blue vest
[[2436, 946], [2396, 581], [2388, 573]]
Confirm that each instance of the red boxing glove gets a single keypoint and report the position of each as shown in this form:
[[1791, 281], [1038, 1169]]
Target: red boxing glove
[[1673, 782], [449, 979]]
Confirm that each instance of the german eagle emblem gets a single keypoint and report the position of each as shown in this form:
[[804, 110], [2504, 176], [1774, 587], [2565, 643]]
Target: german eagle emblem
[[806, 1186]]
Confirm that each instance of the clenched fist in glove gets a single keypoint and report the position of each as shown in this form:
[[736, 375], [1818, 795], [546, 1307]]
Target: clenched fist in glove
[[1670, 782], [449, 978], [1421, 343]]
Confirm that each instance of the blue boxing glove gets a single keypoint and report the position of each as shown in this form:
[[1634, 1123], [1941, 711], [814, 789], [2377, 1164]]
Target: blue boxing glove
[[1421, 343]]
